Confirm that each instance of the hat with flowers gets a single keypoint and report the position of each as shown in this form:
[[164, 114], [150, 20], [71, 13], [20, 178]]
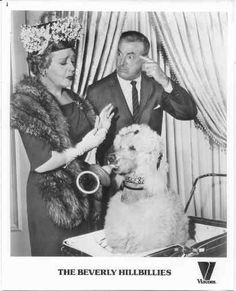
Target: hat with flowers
[[37, 38]]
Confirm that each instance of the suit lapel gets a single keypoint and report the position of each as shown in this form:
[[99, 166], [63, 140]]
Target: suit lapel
[[146, 89], [119, 97]]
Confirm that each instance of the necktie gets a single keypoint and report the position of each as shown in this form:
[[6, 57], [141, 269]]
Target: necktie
[[135, 101]]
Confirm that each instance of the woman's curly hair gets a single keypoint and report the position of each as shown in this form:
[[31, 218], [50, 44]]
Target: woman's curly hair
[[38, 63]]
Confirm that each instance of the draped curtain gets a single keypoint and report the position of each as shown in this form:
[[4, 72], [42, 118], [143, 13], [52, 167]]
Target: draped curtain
[[195, 47]]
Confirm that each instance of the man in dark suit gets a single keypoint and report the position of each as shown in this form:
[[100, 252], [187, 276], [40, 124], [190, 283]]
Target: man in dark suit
[[139, 91]]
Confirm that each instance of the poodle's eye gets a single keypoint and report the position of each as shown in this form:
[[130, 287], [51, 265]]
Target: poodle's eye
[[132, 148], [136, 131]]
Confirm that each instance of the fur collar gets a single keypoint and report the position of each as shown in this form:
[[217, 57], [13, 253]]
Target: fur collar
[[36, 112]]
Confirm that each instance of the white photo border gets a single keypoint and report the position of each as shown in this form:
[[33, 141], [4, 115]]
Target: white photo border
[[41, 273]]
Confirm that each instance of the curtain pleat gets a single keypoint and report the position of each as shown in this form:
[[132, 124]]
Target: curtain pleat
[[117, 25], [81, 49], [110, 42], [90, 47]]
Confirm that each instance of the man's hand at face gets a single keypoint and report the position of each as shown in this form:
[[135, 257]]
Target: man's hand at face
[[153, 70]]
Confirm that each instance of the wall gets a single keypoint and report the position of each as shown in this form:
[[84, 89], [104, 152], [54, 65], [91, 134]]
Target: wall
[[19, 162], [19, 171]]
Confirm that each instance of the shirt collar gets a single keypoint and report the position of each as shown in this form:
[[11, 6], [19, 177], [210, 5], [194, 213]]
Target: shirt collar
[[127, 82]]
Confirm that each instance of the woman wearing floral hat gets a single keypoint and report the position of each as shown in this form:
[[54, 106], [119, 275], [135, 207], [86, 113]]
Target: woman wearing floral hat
[[58, 128]]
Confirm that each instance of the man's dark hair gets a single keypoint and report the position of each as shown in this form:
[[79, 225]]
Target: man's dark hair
[[133, 36]]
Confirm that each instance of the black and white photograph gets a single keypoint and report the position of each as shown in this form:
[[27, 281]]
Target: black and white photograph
[[117, 141]]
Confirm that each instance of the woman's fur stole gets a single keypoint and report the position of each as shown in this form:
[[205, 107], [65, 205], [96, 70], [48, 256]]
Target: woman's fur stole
[[34, 111]]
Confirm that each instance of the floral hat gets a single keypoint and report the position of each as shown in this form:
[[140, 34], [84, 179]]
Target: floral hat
[[37, 38]]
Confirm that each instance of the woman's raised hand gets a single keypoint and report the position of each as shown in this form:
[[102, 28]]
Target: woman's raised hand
[[105, 117], [97, 135]]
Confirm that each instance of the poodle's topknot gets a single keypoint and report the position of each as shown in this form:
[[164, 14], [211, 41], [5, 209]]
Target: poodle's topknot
[[139, 137]]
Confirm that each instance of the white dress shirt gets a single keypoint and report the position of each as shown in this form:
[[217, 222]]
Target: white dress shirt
[[126, 88]]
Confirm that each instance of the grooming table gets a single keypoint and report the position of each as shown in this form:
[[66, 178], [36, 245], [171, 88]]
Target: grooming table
[[210, 237], [92, 244]]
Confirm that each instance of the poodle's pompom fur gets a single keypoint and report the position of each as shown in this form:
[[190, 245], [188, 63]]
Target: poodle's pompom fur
[[142, 220]]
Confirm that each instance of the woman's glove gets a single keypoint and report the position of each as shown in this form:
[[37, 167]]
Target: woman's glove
[[92, 139], [105, 117]]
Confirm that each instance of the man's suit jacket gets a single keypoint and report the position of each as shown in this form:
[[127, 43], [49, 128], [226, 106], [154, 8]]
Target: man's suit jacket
[[153, 101]]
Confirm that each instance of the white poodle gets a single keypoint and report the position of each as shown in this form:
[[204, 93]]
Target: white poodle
[[144, 215]]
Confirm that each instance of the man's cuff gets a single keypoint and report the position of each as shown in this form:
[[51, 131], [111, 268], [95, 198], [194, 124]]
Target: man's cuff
[[168, 88]]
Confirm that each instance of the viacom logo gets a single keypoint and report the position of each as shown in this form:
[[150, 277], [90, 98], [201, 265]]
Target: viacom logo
[[206, 269]]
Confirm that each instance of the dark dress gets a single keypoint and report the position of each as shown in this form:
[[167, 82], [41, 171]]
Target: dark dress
[[45, 237]]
